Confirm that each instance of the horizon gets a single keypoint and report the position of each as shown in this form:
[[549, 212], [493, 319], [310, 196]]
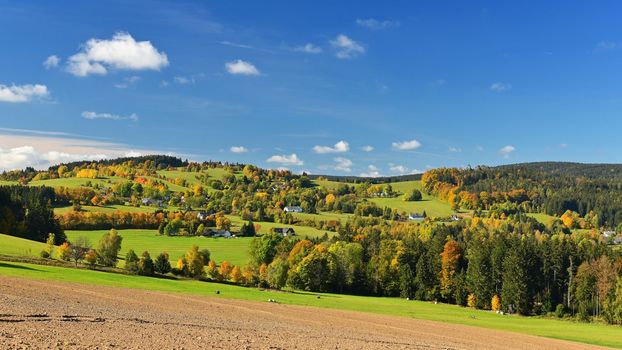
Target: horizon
[[327, 89]]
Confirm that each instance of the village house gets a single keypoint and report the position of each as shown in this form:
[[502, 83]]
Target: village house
[[202, 215], [292, 209], [284, 231], [416, 217], [218, 233]]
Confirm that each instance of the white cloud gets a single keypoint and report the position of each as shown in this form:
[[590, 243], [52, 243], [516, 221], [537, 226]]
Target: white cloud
[[500, 87], [20, 148], [22, 93], [398, 169], [406, 145], [346, 47], [121, 52], [241, 67], [291, 159], [343, 164], [51, 62], [340, 147], [505, 151], [127, 82], [372, 171], [309, 48], [563, 145], [238, 149], [94, 115], [455, 149], [181, 80], [367, 148], [375, 24]]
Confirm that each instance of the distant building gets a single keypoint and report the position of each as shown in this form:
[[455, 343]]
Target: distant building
[[203, 215], [416, 217], [292, 209], [285, 231], [218, 233], [454, 218], [608, 234]]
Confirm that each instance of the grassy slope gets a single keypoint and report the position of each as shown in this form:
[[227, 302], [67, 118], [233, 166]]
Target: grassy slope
[[301, 231], [10, 245], [107, 209], [73, 182], [597, 334], [234, 250]]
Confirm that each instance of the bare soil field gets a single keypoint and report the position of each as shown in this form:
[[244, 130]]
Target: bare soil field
[[59, 315]]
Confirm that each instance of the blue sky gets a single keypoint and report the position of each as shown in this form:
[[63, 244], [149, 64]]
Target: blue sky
[[336, 88]]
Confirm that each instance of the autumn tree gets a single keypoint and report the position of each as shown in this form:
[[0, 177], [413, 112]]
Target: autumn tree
[[495, 303], [236, 275], [146, 266], [224, 270], [212, 271], [450, 259], [194, 260], [63, 252]]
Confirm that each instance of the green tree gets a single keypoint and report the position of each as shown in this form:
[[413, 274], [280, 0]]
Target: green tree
[[145, 265], [162, 264], [613, 304], [276, 274], [514, 293], [108, 248], [414, 195], [131, 261]]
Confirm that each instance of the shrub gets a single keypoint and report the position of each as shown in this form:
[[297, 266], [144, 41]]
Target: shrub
[[145, 265], [131, 261], [44, 254], [560, 310], [63, 251]]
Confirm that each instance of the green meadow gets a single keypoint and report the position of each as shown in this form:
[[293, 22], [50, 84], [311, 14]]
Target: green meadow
[[590, 333], [234, 250]]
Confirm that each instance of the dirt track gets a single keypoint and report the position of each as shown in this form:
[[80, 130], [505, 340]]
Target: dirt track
[[51, 315]]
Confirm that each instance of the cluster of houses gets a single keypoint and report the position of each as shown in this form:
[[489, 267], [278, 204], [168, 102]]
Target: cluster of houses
[[293, 209]]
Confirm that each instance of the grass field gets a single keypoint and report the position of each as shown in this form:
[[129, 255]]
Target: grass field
[[73, 182], [108, 209], [301, 231], [15, 246], [234, 250], [543, 218], [597, 334]]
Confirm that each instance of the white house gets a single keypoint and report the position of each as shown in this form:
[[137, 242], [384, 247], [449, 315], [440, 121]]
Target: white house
[[608, 234], [292, 209], [202, 215], [416, 217], [220, 233]]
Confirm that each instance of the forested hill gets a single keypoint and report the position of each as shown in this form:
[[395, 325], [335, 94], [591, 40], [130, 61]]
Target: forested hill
[[588, 170], [590, 191], [372, 180]]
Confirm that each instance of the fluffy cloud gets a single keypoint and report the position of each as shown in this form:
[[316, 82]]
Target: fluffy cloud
[[340, 147], [500, 87], [51, 62], [241, 67], [309, 48], [343, 164], [22, 93], [372, 23], [291, 159], [95, 115], [372, 171], [121, 52], [20, 148], [346, 47], [455, 149], [406, 145], [367, 148], [506, 151], [21, 157], [398, 169], [238, 149]]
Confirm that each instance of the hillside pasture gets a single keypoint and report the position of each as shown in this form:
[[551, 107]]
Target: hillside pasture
[[265, 227], [15, 246], [234, 250]]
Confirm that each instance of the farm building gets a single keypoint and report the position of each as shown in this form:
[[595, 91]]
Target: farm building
[[285, 231], [292, 209], [218, 233], [416, 217], [202, 215]]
